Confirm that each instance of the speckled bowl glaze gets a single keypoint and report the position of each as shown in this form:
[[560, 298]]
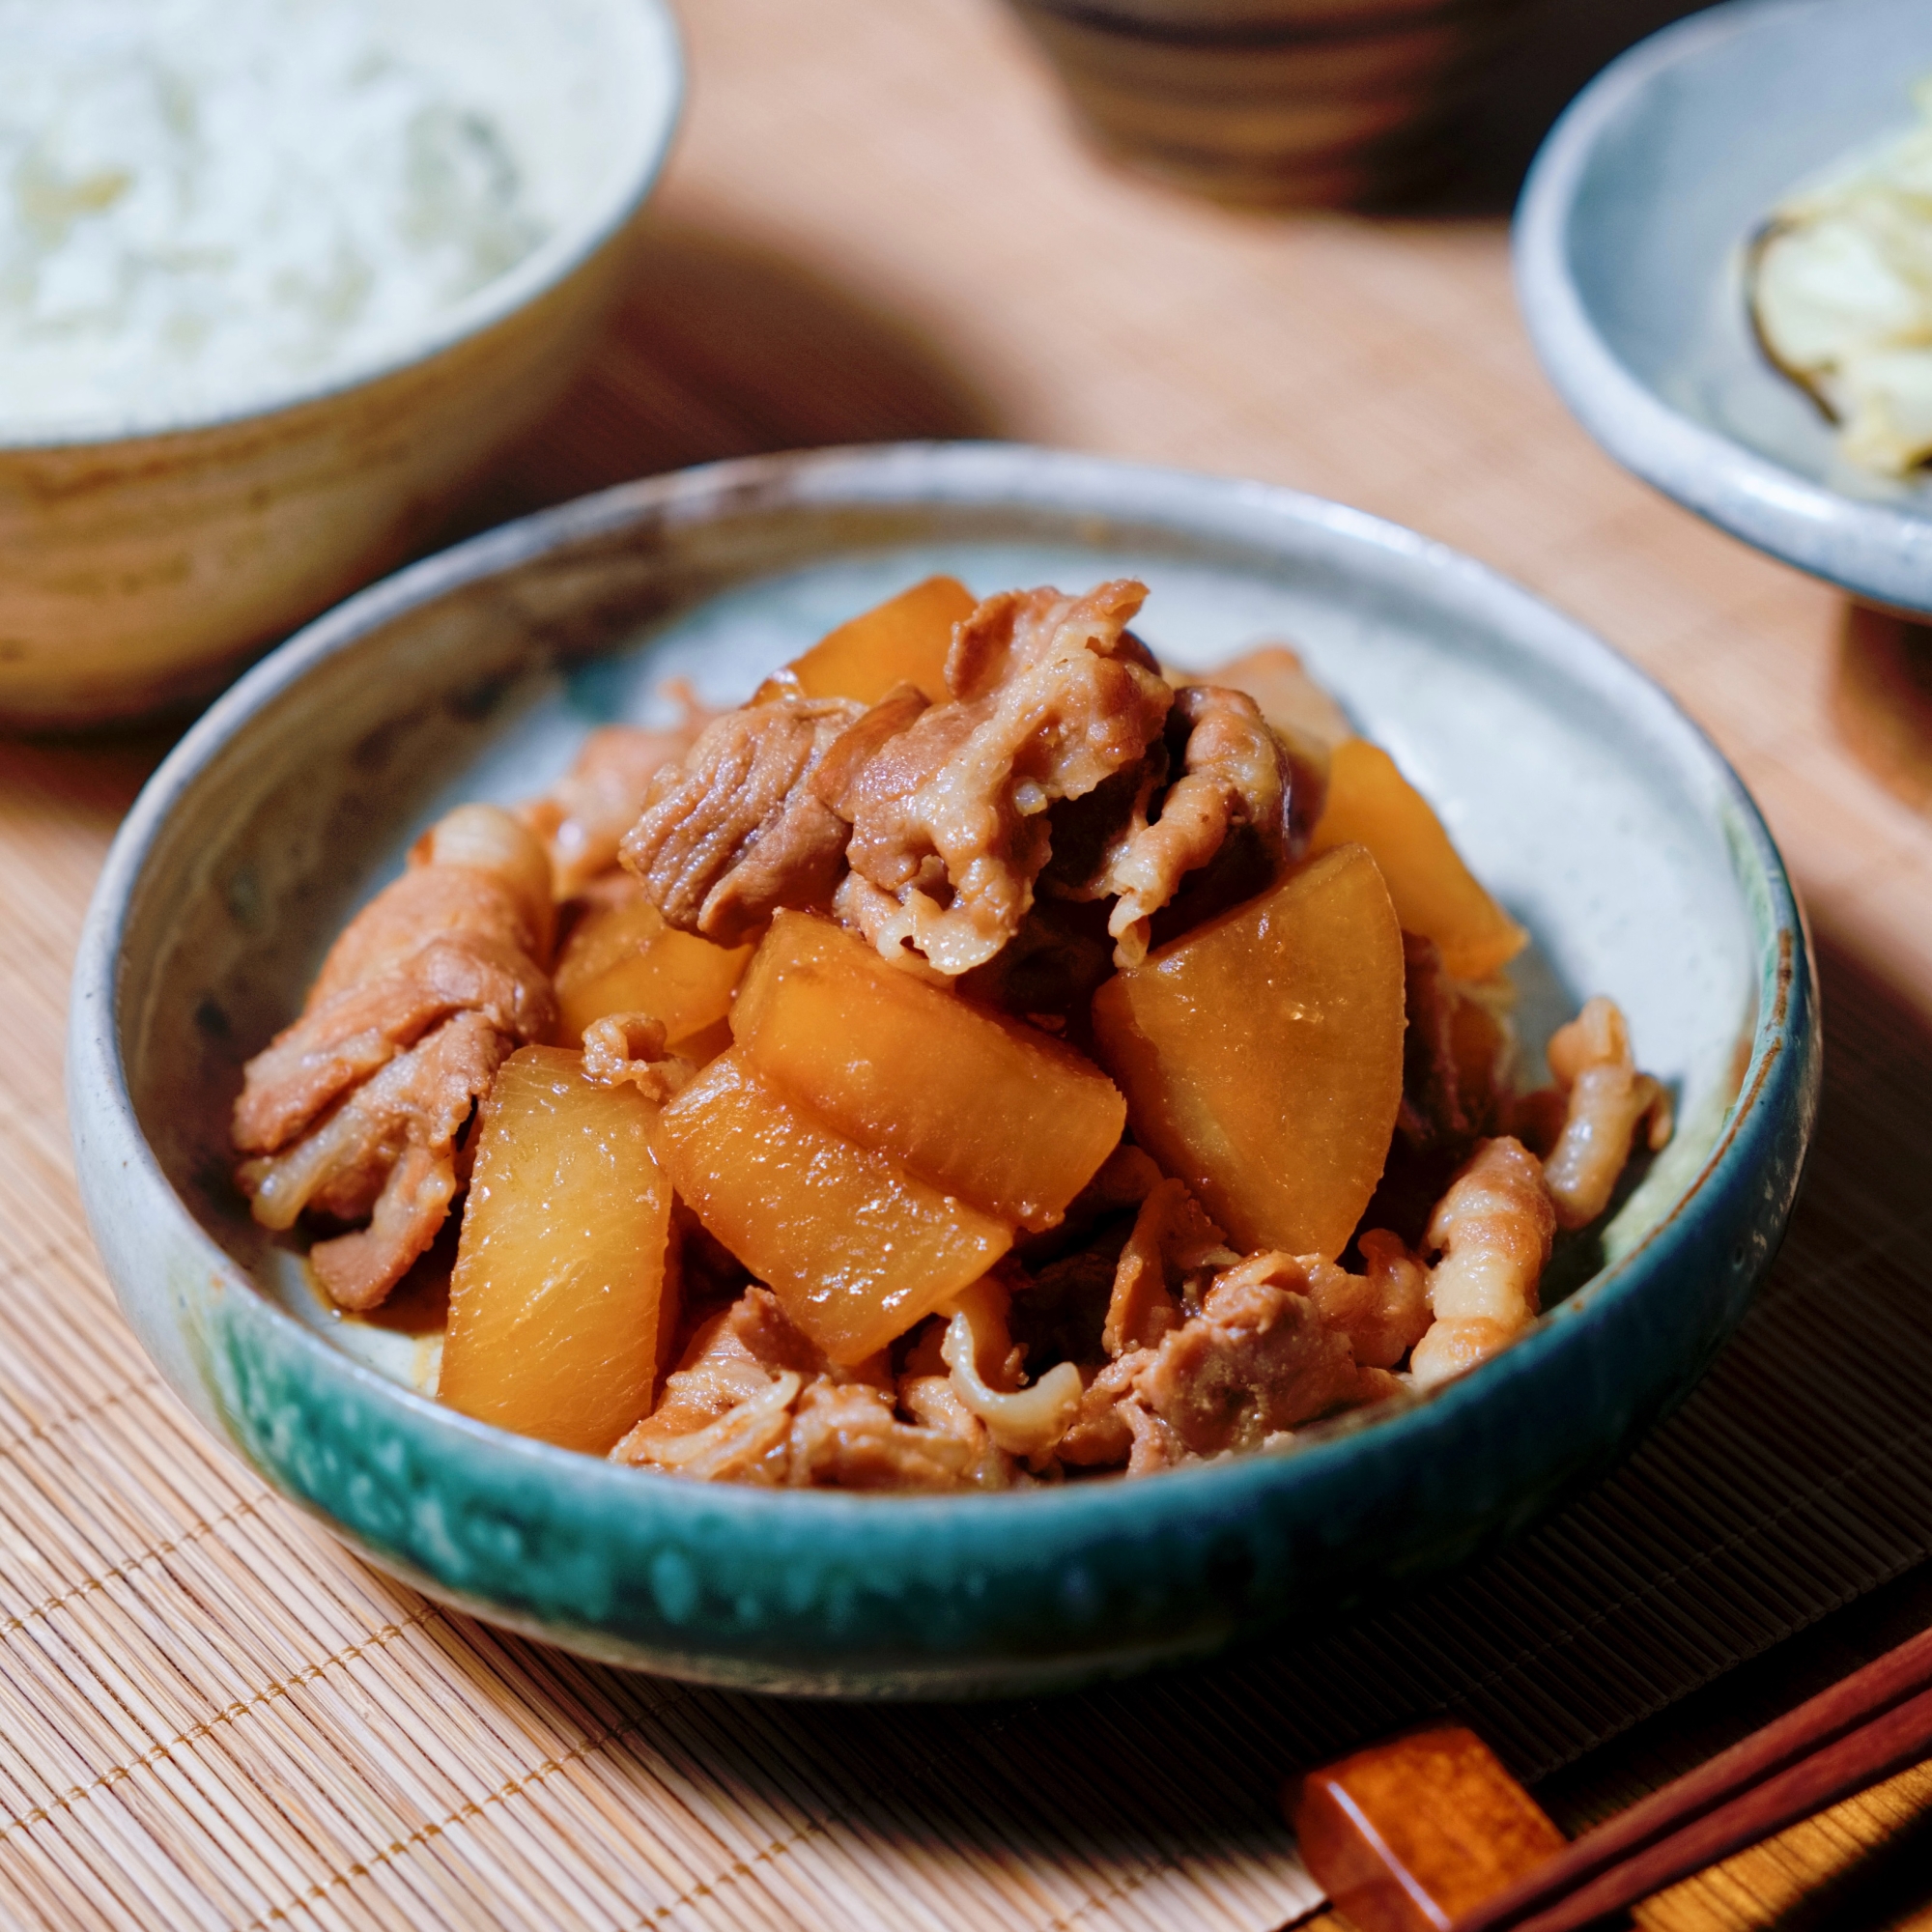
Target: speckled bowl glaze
[[145, 558], [1601, 816], [1629, 262]]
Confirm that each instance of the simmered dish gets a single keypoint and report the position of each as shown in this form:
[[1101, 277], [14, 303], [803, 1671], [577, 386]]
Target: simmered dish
[[984, 1057], [1839, 281]]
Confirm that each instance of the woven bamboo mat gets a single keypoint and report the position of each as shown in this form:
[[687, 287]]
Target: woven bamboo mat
[[211, 1717]]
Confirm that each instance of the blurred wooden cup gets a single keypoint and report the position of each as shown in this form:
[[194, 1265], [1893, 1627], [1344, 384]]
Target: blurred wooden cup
[[1309, 102]]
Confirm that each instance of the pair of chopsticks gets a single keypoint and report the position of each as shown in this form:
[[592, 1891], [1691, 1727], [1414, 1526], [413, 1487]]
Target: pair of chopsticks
[[1865, 1727]]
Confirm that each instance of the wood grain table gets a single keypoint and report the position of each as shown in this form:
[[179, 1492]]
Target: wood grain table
[[877, 225]]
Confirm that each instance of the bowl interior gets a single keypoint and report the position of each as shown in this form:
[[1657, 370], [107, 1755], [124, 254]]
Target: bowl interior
[[1599, 818], [1711, 124]]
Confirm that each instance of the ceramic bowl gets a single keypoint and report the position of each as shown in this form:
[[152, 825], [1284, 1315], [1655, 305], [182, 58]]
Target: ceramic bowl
[[1311, 102], [1604, 819], [1629, 258], [143, 559]]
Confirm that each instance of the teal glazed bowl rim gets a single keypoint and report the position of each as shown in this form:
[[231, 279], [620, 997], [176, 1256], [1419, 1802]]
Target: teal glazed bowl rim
[[857, 1595]]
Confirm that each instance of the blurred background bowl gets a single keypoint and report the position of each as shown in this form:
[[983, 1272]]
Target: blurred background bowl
[[143, 562], [1629, 245], [1310, 102]]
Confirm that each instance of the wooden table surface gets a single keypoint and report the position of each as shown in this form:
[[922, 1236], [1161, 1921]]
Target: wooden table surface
[[878, 225]]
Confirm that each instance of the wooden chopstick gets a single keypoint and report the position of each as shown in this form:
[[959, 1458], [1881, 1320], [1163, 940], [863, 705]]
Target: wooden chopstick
[[1866, 1726], [1892, 1740]]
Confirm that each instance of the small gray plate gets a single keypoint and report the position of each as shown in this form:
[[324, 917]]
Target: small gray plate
[[1629, 262]]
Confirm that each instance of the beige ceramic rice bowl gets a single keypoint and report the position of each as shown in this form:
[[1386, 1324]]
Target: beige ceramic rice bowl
[[156, 528]]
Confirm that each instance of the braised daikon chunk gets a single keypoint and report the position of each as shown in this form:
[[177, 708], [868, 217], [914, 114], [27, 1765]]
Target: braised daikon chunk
[[1369, 802], [623, 959], [560, 1283], [903, 640], [1289, 700], [855, 1248], [1261, 1055], [974, 1103]]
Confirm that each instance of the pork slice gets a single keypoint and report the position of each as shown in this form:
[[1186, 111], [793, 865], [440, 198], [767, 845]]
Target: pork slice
[[738, 830]]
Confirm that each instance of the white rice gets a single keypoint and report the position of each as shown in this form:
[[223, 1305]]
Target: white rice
[[201, 200]]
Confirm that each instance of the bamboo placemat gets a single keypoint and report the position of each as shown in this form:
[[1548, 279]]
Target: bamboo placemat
[[210, 1716]]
